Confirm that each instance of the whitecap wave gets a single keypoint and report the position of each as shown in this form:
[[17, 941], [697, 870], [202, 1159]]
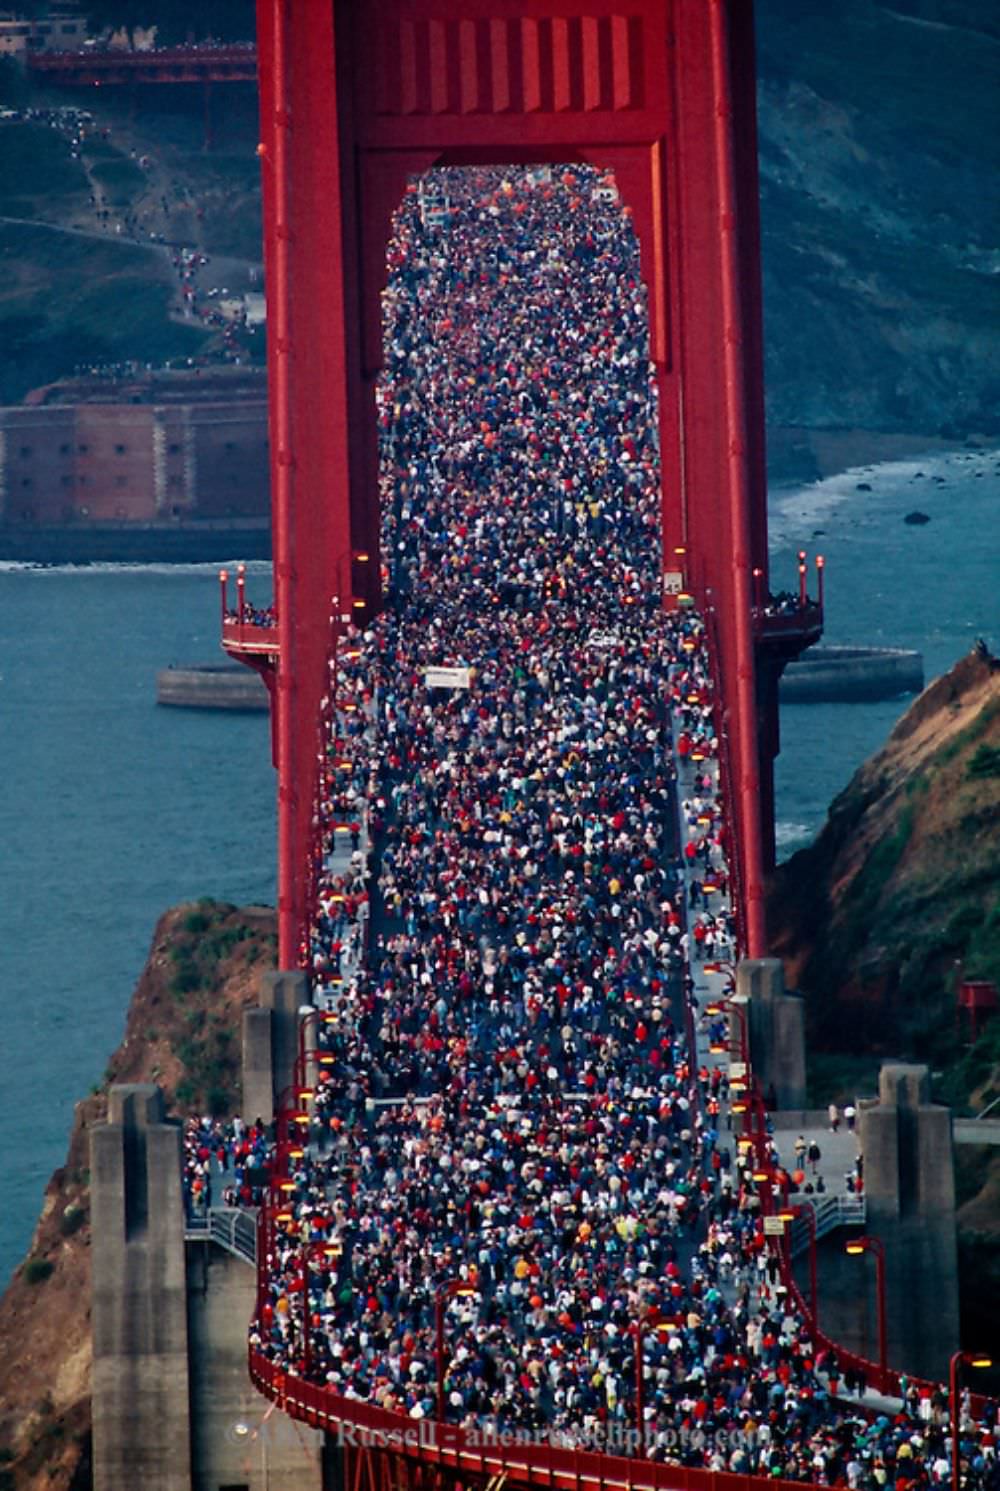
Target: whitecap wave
[[791, 836], [794, 512]]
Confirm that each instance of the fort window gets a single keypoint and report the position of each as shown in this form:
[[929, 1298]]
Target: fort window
[[120, 450], [25, 452], [64, 450], [83, 449]]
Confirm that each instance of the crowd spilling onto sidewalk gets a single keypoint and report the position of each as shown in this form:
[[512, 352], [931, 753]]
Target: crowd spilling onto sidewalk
[[508, 1127], [226, 1163]]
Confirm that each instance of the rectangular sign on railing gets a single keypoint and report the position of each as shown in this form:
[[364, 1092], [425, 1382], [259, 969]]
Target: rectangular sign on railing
[[448, 678]]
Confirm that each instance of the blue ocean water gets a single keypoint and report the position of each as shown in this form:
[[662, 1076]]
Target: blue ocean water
[[113, 809], [934, 587]]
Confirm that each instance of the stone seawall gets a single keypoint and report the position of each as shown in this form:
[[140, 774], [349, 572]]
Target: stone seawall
[[845, 674]]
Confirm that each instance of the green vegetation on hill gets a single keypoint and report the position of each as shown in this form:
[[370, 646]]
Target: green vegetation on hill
[[877, 146], [38, 175], [120, 180], [77, 291], [68, 300]]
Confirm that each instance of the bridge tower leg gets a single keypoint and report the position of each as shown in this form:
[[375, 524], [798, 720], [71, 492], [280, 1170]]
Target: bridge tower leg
[[776, 1028], [909, 1179], [270, 1043], [357, 100], [208, 135]]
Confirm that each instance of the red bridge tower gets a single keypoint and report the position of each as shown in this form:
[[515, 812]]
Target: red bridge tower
[[355, 99]]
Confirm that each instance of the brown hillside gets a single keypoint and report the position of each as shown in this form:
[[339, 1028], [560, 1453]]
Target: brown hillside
[[182, 1030], [901, 886]]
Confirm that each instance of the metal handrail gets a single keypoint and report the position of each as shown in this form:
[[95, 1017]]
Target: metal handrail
[[830, 1212], [231, 1227]]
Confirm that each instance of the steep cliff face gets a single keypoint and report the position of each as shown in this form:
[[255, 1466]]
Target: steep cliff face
[[182, 1030], [874, 920], [878, 246], [901, 886]]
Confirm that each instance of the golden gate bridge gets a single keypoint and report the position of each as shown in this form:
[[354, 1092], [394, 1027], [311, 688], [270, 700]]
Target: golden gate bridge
[[356, 103]]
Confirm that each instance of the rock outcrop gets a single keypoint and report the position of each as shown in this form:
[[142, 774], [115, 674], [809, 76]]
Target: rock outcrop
[[900, 889], [900, 892]]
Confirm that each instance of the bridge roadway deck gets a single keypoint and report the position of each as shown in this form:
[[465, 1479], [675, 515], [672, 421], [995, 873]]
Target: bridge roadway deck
[[838, 1153]]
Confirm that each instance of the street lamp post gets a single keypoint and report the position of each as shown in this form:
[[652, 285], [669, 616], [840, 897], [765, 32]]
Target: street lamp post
[[344, 601], [447, 1291], [640, 1405], [663, 1328], [789, 1214], [752, 1106], [970, 1359], [874, 1246]]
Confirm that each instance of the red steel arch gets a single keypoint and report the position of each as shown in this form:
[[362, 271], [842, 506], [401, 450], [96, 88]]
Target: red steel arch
[[357, 98]]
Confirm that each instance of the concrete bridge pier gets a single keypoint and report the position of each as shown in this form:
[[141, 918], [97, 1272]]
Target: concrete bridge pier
[[270, 1043], [173, 1405], [238, 1438], [776, 1030], [909, 1177], [141, 1389]]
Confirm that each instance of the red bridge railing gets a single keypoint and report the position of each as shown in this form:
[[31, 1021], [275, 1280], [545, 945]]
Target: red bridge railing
[[527, 1460], [233, 64]]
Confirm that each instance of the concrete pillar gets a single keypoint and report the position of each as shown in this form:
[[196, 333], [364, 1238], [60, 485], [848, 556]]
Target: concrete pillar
[[284, 994], [910, 1187], [141, 1409], [310, 1040], [271, 1043], [776, 1027], [258, 1066], [237, 1438]]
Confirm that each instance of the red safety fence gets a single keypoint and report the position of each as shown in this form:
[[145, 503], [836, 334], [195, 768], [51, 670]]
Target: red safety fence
[[525, 1459]]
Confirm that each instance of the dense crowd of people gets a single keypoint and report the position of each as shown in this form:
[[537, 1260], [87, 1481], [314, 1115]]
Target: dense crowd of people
[[508, 1127]]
